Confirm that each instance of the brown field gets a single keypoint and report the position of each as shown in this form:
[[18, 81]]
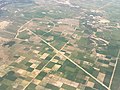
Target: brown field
[[64, 28], [4, 24], [70, 21], [4, 56], [3, 40]]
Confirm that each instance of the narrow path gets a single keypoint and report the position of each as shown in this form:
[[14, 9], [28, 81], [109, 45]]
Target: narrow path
[[39, 72]]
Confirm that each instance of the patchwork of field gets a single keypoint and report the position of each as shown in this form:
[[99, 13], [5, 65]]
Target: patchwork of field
[[59, 45]]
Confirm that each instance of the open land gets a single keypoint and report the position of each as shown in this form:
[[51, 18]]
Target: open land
[[59, 45]]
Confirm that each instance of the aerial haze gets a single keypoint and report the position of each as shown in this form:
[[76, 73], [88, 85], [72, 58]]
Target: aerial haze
[[59, 44]]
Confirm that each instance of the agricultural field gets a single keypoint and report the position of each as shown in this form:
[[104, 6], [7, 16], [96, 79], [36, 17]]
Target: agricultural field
[[59, 45]]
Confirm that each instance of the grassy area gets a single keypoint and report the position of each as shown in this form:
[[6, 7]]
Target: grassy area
[[67, 87], [116, 79], [85, 43], [52, 87], [39, 32], [31, 86], [23, 35], [50, 65], [41, 75], [113, 11]]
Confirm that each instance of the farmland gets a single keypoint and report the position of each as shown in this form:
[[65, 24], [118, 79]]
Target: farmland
[[59, 45]]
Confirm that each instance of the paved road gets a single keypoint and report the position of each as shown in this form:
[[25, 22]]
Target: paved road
[[76, 65]]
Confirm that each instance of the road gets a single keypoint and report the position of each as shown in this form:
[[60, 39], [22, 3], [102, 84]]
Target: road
[[39, 72], [21, 28], [106, 5], [75, 63], [114, 69], [57, 51]]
